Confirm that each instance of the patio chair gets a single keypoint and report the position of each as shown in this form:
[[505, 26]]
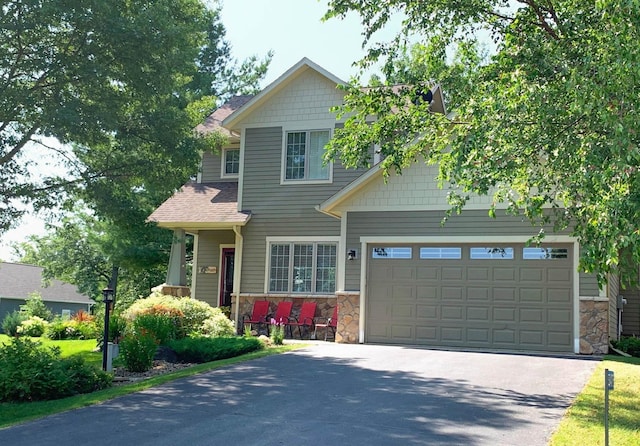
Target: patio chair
[[304, 319], [328, 324], [283, 311], [258, 314]]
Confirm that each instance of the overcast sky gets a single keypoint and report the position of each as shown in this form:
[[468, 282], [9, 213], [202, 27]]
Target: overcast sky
[[292, 29]]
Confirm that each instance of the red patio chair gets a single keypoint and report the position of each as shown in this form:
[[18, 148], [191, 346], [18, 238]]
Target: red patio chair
[[304, 319], [283, 311], [258, 314], [328, 324]]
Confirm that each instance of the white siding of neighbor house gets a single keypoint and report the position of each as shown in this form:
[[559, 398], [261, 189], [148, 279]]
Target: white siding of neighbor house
[[308, 98]]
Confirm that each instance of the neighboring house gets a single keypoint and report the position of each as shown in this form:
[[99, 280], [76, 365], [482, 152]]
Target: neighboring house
[[271, 221], [19, 281]]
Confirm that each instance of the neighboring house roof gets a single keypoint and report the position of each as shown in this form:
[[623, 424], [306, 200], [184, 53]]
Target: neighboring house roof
[[303, 65], [19, 280], [214, 120], [201, 206]]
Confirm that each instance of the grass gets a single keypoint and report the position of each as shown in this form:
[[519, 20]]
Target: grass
[[14, 413], [583, 423], [69, 348]]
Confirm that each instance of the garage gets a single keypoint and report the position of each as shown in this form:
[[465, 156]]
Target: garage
[[497, 296]]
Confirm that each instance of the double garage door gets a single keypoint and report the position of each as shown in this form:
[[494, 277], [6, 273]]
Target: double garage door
[[502, 296]]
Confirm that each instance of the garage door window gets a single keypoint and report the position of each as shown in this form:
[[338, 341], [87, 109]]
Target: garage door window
[[544, 253], [434, 252], [491, 253], [403, 252]]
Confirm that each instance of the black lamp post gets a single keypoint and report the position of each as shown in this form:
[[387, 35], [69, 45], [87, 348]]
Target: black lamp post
[[107, 297]]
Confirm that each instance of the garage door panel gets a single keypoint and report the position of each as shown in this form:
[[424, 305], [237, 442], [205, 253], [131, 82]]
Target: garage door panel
[[515, 303]]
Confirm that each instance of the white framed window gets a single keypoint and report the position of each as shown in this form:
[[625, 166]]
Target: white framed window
[[392, 252], [531, 253], [302, 267], [230, 163], [302, 158], [441, 252], [491, 252]]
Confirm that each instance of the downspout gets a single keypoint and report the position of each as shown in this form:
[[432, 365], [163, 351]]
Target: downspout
[[237, 268]]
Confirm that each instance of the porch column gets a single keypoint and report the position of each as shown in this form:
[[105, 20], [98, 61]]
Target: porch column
[[177, 272]]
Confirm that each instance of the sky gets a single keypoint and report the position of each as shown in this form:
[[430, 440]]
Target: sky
[[292, 29]]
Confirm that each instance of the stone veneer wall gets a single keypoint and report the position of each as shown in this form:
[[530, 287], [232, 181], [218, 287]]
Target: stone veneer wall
[[594, 326], [173, 290], [348, 317]]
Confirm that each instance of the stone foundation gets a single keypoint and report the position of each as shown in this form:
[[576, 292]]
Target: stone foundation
[[594, 326], [172, 290]]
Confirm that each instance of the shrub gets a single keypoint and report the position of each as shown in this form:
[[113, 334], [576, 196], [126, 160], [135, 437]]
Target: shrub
[[202, 349], [195, 312], [11, 323], [33, 326], [34, 306], [628, 344], [60, 329], [117, 327], [86, 329], [217, 326], [137, 351], [31, 372], [163, 327], [83, 316]]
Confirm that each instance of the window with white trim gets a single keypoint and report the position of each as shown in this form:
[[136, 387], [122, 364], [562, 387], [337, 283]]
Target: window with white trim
[[494, 253], [531, 253], [303, 157], [302, 267], [441, 252], [392, 252], [230, 163]]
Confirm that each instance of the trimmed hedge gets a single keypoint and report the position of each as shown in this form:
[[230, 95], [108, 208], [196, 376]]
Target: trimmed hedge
[[202, 349], [628, 344]]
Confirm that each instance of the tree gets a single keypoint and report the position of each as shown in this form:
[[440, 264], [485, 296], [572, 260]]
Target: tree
[[548, 124], [120, 85]]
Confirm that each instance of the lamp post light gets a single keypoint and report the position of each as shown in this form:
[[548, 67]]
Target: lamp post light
[[107, 297]]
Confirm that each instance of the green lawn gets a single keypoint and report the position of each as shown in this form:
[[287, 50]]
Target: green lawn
[[583, 423], [13, 413]]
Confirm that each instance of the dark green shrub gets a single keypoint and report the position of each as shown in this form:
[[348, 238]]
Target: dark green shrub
[[117, 327], [163, 326], [86, 330], [58, 329], [31, 372], [628, 344], [137, 351], [11, 322], [199, 350]]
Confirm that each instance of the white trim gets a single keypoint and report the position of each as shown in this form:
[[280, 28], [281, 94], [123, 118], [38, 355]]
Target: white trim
[[237, 269], [241, 176], [220, 276], [342, 263], [223, 163], [283, 158], [365, 241], [310, 239], [194, 266]]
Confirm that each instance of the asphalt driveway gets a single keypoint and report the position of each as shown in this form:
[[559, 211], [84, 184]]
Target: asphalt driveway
[[335, 394]]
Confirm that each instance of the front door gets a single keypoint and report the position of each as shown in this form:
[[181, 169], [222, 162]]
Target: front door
[[226, 277]]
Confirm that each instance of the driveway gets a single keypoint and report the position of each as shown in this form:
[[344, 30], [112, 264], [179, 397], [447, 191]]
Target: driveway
[[336, 394]]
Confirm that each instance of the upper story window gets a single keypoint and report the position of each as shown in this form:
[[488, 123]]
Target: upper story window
[[230, 163], [303, 153]]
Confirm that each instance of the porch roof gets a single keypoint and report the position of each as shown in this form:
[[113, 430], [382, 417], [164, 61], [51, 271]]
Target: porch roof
[[201, 206]]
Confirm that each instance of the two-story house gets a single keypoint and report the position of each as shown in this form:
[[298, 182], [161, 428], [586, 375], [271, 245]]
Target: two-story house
[[272, 221]]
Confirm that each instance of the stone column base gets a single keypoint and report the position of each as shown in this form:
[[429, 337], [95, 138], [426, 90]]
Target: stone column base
[[172, 290]]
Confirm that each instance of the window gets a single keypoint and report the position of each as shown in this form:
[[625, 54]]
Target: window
[[304, 267], [441, 253], [230, 162], [486, 253], [392, 253], [303, 156], [544, 253]]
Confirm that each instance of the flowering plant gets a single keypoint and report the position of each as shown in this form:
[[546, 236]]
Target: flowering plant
[[277, 331]]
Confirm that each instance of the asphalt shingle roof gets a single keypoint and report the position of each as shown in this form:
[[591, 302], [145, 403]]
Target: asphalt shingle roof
[[19, 280]]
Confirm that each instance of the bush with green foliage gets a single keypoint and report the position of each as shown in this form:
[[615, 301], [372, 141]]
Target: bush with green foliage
[[31, 372], [163, 327], [35, 306], [59, 329], [137, 351], [34, 326], [628, 344], [217, 326], [203, 349], [11, 322]]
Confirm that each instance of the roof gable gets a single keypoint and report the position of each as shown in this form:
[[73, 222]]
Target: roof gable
[[304, 65]]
